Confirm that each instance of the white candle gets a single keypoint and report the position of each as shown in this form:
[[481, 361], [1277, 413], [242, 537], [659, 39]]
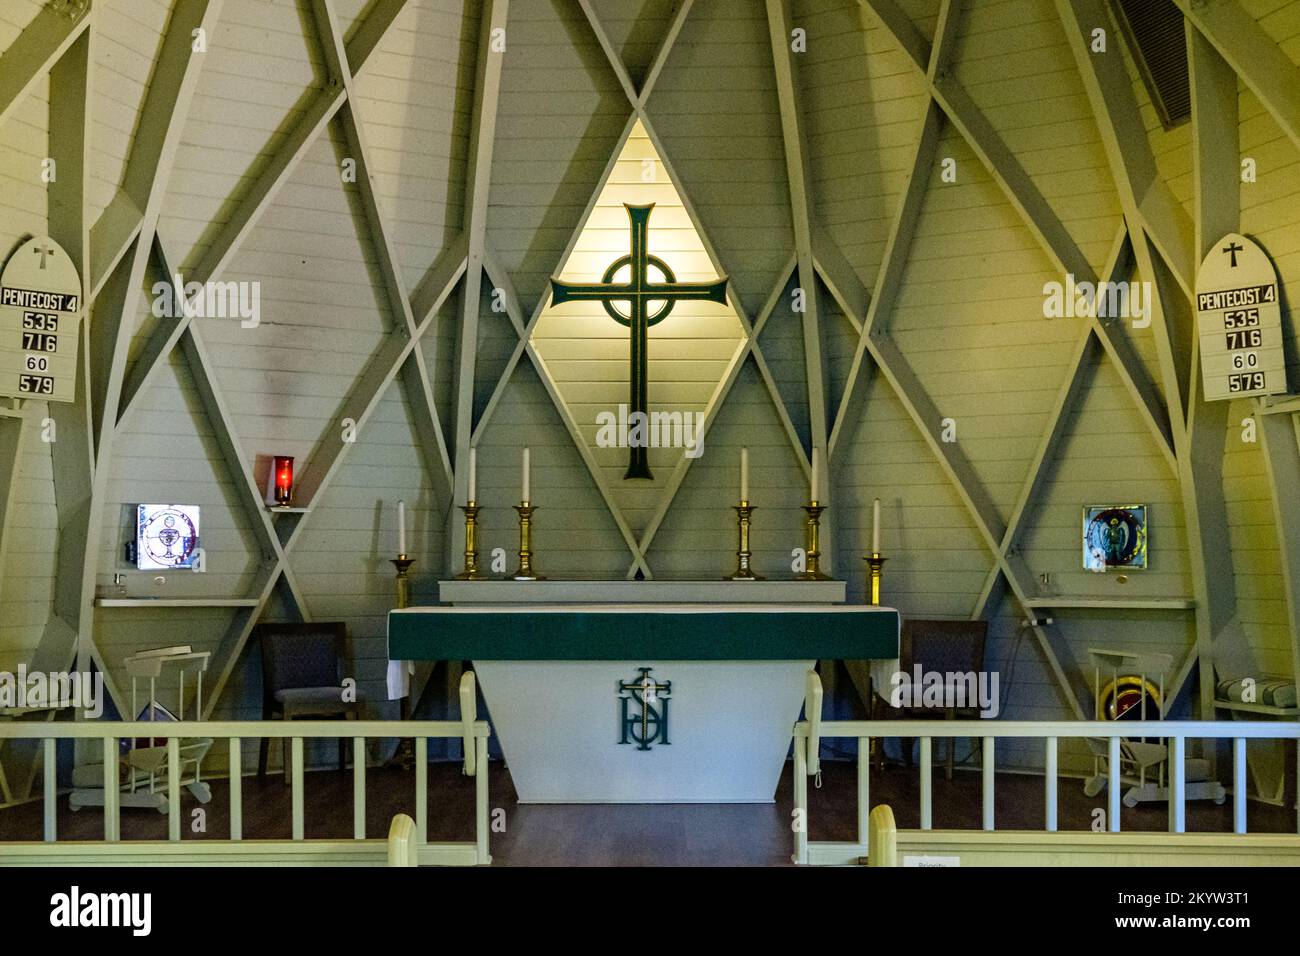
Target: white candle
[[401, 527], [527, 469], [744, 474], [473, 475], [875, 526], [812, 493]]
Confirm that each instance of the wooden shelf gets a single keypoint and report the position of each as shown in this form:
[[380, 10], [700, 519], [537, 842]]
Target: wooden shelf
[[1242, 708], [278, 510], [175, 602], [1108, 603]]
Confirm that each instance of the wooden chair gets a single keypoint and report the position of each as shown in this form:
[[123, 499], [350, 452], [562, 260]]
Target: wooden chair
[[302, 678], [941, 646]]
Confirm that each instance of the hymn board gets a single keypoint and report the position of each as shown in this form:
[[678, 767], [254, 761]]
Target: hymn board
[[1239, 322], [40, 323]]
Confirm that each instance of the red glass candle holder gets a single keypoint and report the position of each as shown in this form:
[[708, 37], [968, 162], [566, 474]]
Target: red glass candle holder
[[282, 469]]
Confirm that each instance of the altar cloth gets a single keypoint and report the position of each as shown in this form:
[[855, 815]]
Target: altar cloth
[[617, 632]]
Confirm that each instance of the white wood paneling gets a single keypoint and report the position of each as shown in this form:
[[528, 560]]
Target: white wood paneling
[[414, 99], [560, 116], [258, 78], [969, 318], [715, 108]]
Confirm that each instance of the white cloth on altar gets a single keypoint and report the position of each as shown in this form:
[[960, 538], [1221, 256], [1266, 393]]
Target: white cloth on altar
[[399, 679], [882, 676]]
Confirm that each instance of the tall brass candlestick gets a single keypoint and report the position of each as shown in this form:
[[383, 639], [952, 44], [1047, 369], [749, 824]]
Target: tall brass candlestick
[[471, 571], [405, 755], [403, 564], [744, 572], [813, 570], [526, 572], [875, 563]]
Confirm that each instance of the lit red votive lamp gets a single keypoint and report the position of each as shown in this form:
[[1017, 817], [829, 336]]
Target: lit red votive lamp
[[283, 471]]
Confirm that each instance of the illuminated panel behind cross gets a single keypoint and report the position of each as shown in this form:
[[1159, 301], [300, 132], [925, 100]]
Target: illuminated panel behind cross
[[639, 291]]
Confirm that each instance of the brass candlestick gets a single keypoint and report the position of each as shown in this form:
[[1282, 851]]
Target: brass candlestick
[[744, 572], [403, 564], [405, 755], [813, 571], [875, 563], [471, 572], [526, 572]]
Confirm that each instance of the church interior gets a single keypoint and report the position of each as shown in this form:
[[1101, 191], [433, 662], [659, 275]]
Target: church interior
[[649, 433]]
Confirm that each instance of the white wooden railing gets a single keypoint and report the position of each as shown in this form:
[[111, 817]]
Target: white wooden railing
[[474, 734], [809, 733]]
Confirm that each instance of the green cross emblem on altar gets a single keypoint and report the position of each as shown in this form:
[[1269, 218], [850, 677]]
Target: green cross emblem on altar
[[639, 292], [652, 721]]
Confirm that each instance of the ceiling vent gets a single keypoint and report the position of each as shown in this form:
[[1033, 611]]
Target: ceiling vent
[[1154, 32]]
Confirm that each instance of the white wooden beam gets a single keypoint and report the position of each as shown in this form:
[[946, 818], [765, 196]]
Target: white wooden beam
[[665, 48], [1146, 198], [889, 277], [1253, 54], [487, 95], [413, 373], [802, 215], [73, 453], [41, 45]]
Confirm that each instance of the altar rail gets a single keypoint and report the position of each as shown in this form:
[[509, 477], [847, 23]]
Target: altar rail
[[891, 846], [237, 851], [807, 744]]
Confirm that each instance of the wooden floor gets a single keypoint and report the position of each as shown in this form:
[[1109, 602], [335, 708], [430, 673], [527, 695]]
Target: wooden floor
[[643, 835]]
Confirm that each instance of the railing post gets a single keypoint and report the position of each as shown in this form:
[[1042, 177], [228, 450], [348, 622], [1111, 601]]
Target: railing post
[[1178, 786], [800, 801], [297, 795], [1239, 785], [50, 794], [1113, 786], [1049, 779], [481, 799], [884, 837], [358, 788], [422, 789], [864, 791], [173, 789], [236, 789], [112, 796], [987, 770], [927, 781]]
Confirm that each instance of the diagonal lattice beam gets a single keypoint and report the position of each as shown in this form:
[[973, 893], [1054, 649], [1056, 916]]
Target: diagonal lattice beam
[[38, 48], [117, 227], [802, 216], [875, 344], [1253, 55], [1146, 197], [482, 143], [637, 99]]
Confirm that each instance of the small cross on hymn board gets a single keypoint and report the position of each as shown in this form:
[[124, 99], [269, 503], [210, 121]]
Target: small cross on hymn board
[[1232, 249], [44, 251]]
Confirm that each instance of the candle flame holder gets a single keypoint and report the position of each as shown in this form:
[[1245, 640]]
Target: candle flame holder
[[471, 572], [526, 572], [744, 511], [812, 529], [875, 564], [403, 582], [405, 755]]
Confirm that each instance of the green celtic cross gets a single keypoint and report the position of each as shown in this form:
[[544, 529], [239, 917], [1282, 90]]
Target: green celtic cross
[[639, 292]]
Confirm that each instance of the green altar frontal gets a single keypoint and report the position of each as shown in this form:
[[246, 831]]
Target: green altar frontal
[[655, 631]]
